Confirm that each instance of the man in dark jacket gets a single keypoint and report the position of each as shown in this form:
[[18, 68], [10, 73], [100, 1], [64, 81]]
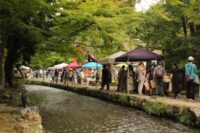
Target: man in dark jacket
[[56, 74], [106, 77]]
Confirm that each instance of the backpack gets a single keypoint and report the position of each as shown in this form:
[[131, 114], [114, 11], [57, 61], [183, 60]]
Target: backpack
[[159, 72]]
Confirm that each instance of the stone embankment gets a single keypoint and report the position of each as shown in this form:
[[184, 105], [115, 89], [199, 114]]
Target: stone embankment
[[14, 118], [12, 121], [18, 120], [179, 110]]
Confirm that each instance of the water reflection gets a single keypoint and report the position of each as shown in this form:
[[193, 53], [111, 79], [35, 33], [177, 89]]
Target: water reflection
[[66, 112]]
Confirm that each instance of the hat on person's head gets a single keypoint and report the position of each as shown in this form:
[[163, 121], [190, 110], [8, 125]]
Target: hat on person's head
[[190, 58]]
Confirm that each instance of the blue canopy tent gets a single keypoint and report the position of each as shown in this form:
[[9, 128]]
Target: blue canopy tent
[[92, 65]]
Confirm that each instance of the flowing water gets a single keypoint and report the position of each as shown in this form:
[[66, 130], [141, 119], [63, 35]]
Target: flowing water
[[67, 112]]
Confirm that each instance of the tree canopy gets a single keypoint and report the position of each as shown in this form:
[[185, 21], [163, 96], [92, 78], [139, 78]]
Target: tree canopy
[[41, 33], [23, 26], [173, 27], [99, 26]]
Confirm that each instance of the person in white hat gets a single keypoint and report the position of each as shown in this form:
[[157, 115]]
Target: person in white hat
[[190, 58], [190, 72]]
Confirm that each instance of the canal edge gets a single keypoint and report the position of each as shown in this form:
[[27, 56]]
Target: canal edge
[[151, 106]]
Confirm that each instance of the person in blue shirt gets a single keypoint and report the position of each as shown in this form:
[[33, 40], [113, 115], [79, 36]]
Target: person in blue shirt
[[78, 72], [190, 72]]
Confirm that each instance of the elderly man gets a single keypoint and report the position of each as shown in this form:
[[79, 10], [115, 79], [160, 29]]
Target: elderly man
[[190, 73]]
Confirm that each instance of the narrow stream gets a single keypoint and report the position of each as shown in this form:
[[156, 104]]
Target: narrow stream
[[67, 112]]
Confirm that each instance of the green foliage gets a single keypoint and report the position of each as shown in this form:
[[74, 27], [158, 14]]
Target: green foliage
[[25, 23], [100, 26], [124, 99], [187, 117], [155, 108], [173, 27], [52, 58]]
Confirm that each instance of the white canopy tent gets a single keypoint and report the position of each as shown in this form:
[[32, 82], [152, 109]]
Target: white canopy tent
[[50, 68], [111, 58], [121, 64], [22, 67], [60, 66]]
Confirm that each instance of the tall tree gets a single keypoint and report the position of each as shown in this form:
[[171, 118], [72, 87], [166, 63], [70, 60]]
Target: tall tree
[[4, 30], [21, 21]]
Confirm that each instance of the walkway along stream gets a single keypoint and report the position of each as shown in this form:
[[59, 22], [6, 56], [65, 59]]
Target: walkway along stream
[[182, 111]]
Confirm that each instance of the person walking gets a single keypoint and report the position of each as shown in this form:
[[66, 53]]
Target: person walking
[[159, 72], [122, 76], [130, 79], [175, 80], [75, 77], [190, 72], [106, 78], [56, 74], [141, 77], [71, 77], [147, 85], [66, 76], [52, 76]]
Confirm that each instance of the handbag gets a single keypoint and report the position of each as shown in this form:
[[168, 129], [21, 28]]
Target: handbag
[[153, 84], [170, 86], [147, 86], [187, 77], [166, 78], [196, 79]]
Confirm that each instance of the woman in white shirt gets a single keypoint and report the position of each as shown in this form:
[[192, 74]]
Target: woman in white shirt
[[141, 77]]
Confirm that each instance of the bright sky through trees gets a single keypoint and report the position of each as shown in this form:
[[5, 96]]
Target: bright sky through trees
[[145, 5]]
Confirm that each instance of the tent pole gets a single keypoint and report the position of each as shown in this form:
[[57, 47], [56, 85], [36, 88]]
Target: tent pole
[[96, 70], [127, 80], [163, 63]]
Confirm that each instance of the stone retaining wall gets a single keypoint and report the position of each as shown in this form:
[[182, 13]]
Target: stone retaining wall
[[182, 114]]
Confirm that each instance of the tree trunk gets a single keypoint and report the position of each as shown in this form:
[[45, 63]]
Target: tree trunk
[[4, 28], [192, 29], [184, 26], [198, 29], [9, 65], [2, 72]]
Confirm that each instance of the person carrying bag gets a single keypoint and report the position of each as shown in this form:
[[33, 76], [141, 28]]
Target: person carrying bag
[[190, 74]]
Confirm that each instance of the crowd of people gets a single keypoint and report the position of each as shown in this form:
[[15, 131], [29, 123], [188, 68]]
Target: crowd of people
[[68, 76], [153, 80], [141, 79]]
